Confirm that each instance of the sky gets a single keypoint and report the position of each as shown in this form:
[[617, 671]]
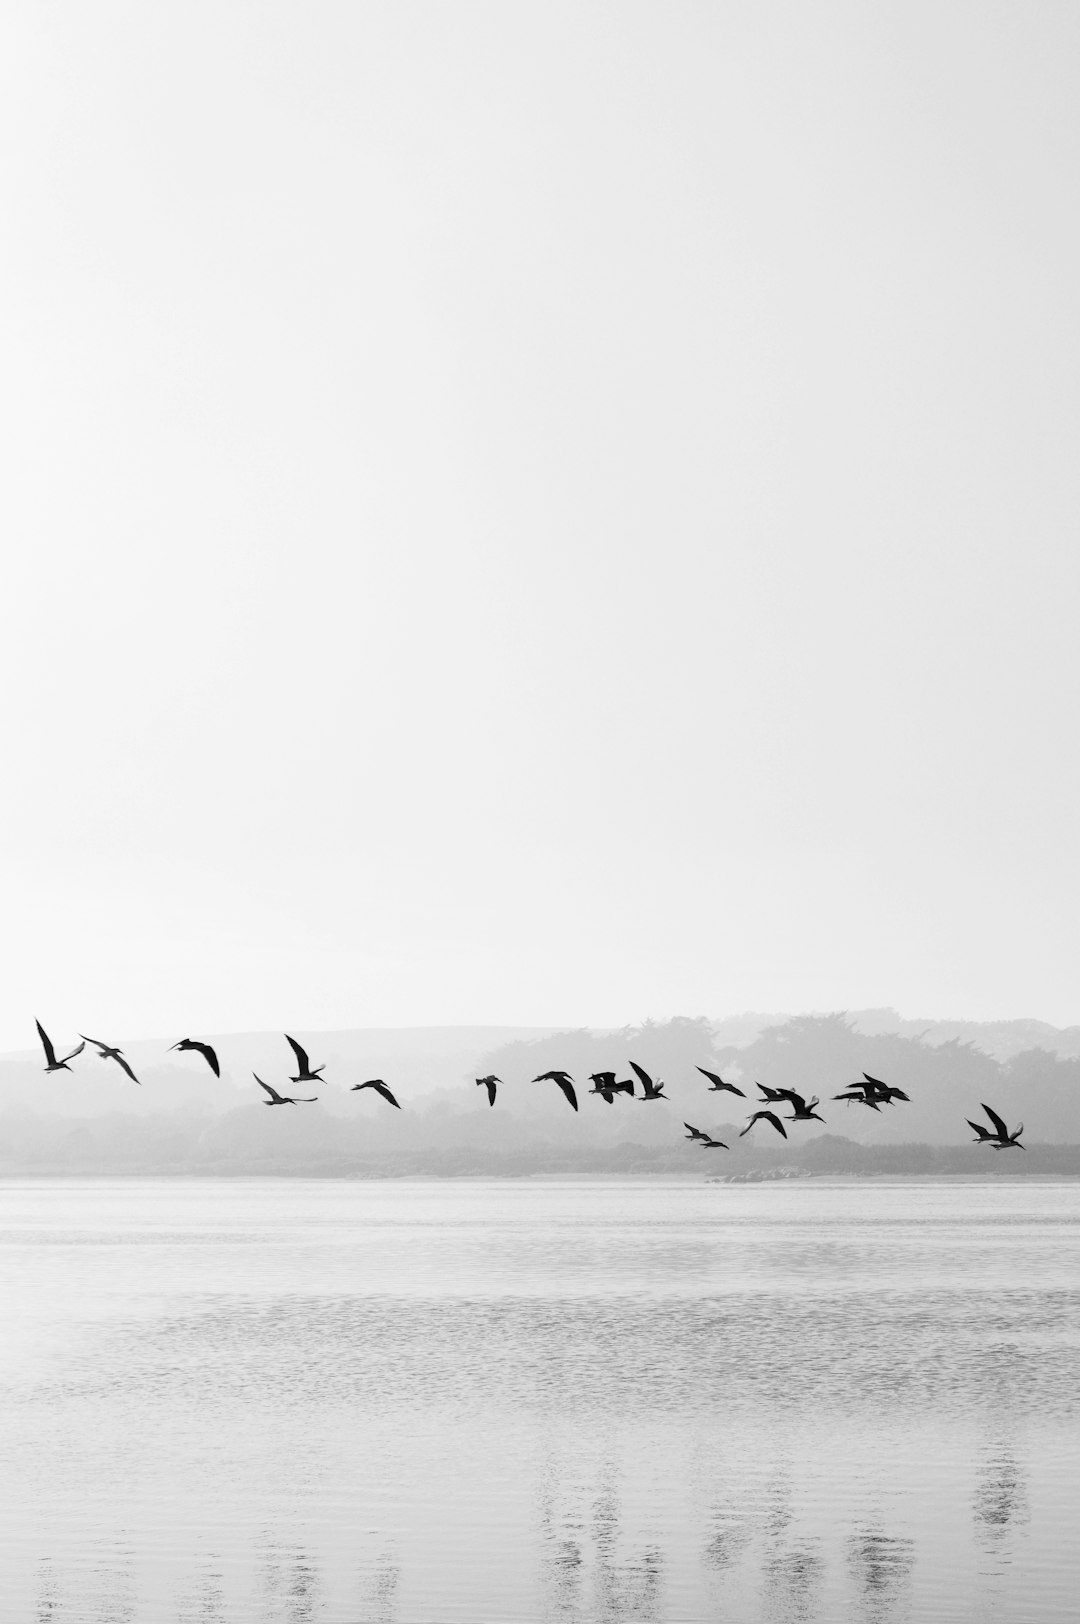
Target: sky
[[539, 513]]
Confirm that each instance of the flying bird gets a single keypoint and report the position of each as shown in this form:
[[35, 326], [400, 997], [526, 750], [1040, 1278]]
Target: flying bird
[[52, 1064], [885, 1092], [982, 1134], [765, 1116], [771, 1096], [709, 1143], [380, 1088], [803, 1112], [606, 1086], [205, 1050], [564, 1081], [694, 1133], [106, 1053], [651, 1090], [716, 1084], [1001, 1137], [306, 1073], [281, 1099], [860, 1099], [489, 1083]]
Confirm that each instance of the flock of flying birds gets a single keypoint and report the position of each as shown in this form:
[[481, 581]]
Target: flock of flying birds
[[870, 1092]]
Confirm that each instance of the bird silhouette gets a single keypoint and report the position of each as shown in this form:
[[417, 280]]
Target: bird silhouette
[[565, 1082], [1001, 1137], [982, 1134], [107, 1053], [205, 1050], [282, 1099], [380, 1088], [606, 1086], [716, 1084], [651, 1090], [765, 1116], [802, 1111], [885, 1092], [489, 1083], [860, 1099], [709, 1143], [306, 1073], [51, 1062], [694, 1133], [771, 1096]]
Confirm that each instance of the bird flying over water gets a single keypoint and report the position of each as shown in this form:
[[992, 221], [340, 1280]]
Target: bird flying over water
[[106, 1053], [1001, 1138], [380, 1088], [765, 1116], [565, 1082], [52, 1064], [281, 1099], [490, 1084], [205, 1050], [716, 1084], [606, 1086], [872, 1092], [803, 1112], [885, 1092], [651, 1090], [860, 1099], [771, 1096], [303, 1064]]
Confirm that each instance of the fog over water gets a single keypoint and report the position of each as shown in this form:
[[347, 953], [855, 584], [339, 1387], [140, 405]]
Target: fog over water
[[297, 1401]]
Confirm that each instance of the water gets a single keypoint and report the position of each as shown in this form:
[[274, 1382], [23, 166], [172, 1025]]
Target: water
[[255, 1401]]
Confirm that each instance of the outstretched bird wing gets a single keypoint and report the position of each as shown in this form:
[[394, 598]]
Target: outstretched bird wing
[[489, 1083], [380, 1088], [643, 1076], [277, 1099], [553, 1077], [205, 1050], [120, 1061], [568, 1089], [695, 1133], [301, 1056], [46, 1043], [104, 1047], [980, 1128], [210, 1057], [765, 1116], [718, 1082], [73, 1053], [999, 1126], [875, 1082]]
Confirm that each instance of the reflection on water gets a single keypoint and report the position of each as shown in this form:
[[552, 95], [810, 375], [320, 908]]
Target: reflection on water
[[881, 1566], [378, 1592], [1000, 1498], [290, 1585], [275, 1403], [586, 1571]]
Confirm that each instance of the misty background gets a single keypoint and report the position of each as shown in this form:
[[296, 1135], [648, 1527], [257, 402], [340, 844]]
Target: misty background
[[544, 515], [183, 1119]]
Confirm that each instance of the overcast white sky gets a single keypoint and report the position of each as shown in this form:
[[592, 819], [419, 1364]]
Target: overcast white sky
[[538, 512]]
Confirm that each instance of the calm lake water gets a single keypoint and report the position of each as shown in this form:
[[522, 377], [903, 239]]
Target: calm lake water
[[286, 1400]]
